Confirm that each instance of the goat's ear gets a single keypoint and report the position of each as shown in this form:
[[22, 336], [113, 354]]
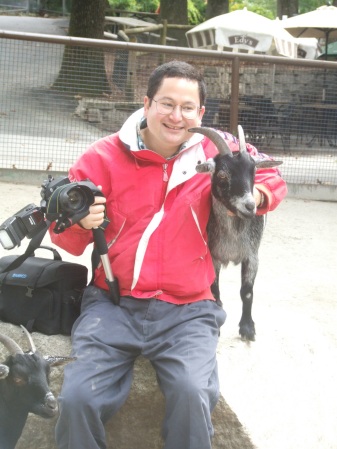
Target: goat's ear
[[57, 360], [267, 164], [4, 371], [206, 167]]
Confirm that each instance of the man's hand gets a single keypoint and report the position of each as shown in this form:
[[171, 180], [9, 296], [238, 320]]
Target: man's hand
[[257, 196], [96, 214]]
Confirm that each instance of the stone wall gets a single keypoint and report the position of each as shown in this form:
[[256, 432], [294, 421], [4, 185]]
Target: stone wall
[[281, 83], [105, 114], [138, 424]]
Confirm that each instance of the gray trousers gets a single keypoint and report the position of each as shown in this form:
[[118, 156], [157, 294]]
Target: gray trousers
[[179, 340]]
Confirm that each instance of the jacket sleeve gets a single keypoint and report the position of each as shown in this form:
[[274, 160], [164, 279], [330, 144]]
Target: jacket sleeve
[[75, 239]]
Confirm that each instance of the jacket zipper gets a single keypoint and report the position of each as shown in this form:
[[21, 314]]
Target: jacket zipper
[[165, 175]]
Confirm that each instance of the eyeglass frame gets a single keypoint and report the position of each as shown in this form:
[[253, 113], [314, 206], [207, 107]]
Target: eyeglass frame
[[198, 109]]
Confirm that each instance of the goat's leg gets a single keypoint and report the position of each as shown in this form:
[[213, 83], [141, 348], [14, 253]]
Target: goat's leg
[[215, 286], [248, 273]]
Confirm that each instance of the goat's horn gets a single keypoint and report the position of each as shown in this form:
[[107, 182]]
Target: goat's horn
[[242, 139], [10, 344], [58, 360], [215, 137], [30, 339]]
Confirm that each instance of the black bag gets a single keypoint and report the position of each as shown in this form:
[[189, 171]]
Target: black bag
[[42, 294]]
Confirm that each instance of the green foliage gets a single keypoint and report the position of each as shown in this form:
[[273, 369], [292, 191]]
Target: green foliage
[[310, 5], [135, 5], [196, 10], [265, 8]]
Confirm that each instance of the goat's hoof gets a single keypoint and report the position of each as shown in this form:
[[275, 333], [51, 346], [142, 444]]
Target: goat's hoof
[[247, 332]]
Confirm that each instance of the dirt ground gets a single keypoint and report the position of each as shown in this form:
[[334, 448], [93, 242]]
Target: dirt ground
[[283, 385]]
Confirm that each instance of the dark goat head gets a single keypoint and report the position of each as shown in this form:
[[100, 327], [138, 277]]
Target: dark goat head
[[232, 173], [26, 375]]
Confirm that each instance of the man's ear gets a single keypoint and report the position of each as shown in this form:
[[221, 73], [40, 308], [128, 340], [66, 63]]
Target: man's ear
[[146, 104]]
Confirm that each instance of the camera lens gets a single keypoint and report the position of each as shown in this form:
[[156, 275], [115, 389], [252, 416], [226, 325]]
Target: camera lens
[[74, 200]]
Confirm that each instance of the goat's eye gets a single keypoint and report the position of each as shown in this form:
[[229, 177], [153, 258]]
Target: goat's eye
[[19, 381], [222, 174]]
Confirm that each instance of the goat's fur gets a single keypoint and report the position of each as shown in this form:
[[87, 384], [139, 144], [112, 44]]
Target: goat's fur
[[234, 238], [24, 388]]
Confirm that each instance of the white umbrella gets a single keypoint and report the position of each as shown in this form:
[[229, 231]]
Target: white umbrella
[[308, 48], [320, 23], [242, 30]]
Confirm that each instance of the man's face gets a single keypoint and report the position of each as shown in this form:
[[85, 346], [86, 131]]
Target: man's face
[[165, 133]]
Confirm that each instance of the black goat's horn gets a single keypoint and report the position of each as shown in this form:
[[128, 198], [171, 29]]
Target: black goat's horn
[[10, 344], [242, 139], [30, 339], [215, 137]]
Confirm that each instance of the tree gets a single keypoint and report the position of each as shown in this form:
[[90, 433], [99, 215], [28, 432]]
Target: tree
[[287, 8], [216, 8], [83, 68], [175, 12]]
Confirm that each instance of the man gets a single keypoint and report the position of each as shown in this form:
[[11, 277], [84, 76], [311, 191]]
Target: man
[[158, 208]]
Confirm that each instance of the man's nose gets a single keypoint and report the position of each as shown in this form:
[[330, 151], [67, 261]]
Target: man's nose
[[176, 113]]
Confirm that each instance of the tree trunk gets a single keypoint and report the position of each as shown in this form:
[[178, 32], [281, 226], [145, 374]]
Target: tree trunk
[[175, 12], [216, 8], [83, 68], [287, 8]]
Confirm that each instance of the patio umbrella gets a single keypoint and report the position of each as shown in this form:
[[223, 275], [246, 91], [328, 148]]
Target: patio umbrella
[[332, 52], [242, 30], [308, 48], [320, 23]]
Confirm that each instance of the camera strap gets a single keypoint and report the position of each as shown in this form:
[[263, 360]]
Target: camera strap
[[33, 245]]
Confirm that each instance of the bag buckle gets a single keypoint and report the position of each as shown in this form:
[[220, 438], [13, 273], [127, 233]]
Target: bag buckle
[[29, 292]]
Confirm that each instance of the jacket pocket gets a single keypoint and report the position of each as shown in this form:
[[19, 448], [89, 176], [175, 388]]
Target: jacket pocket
[[115, 227]]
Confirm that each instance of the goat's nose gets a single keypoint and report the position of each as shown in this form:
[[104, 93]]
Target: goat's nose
[[250, 206]]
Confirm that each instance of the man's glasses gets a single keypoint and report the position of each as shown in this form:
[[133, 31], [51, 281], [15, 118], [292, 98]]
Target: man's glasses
[[189, 111]]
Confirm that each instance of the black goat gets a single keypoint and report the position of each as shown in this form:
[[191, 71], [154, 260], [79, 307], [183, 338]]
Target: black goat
[[234, 238], [24, 388]]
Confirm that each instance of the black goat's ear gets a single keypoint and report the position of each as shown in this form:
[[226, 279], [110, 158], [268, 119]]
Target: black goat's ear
[[4, 371], [58, 360], [206, 167]]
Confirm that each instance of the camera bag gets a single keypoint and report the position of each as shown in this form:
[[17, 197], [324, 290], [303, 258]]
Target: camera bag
[[42, 294]]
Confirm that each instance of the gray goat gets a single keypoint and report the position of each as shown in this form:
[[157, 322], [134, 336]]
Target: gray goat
[[234, 238], [24, 388]]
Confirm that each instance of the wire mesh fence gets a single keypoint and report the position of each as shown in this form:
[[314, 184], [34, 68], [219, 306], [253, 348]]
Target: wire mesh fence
[[42, 7], [58, 95]]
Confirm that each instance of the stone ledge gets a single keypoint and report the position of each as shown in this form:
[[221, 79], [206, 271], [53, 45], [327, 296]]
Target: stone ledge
[[105, 114]]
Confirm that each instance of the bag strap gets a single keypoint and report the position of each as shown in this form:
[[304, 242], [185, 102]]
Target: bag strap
[[33, 245], [56, 254]]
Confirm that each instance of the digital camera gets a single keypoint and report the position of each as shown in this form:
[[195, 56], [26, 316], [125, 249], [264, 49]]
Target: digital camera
[[62, 201]]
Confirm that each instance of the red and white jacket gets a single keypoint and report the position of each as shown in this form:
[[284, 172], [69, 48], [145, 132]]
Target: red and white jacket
[[158, 211]]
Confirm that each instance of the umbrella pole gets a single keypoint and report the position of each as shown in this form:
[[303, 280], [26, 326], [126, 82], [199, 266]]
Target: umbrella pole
[[326, 58], [326, 44]]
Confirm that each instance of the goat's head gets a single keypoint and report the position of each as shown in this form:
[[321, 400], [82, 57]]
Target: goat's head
[[26, 375], [232, 173]]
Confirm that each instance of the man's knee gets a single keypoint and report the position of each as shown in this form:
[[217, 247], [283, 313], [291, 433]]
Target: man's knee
[[76, 396]]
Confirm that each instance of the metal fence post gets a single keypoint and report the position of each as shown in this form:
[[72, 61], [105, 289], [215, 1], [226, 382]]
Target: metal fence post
[[234, 111]]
